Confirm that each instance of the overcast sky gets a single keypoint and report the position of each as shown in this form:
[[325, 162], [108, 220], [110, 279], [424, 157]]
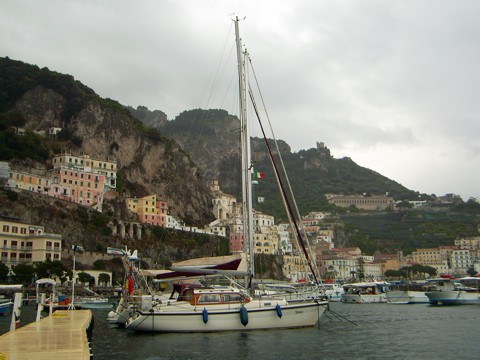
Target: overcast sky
[[392, 84]]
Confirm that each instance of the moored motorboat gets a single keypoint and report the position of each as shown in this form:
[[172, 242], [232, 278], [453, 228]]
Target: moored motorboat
[[450, 291], [407, 293], [333, 291], [93, 303], [365, 292]]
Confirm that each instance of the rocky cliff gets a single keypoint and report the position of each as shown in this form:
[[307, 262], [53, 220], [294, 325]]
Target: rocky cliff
[[148, 163]]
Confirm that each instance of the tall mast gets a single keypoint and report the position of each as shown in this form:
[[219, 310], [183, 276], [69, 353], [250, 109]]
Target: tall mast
[[246, 157]]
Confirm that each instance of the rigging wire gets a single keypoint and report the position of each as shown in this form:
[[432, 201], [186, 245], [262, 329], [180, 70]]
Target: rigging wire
[[308, 255], [282, 188], [194, 145]]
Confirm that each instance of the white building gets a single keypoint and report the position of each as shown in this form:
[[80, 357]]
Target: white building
[[461, 261]]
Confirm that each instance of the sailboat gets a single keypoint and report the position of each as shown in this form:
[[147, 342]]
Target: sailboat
[[135, 286], [228, 307]]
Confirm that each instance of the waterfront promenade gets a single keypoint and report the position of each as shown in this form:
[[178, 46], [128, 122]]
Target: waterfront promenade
[[62, 335]]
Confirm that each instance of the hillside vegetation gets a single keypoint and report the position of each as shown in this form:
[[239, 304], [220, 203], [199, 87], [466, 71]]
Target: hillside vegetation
[[407, 230]]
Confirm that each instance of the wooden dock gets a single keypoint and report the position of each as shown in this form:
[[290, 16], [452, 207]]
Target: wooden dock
[[62, 335]]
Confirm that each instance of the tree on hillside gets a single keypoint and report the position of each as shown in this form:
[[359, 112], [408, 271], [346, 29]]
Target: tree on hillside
[[103, 279], [99, 265], [361, 269], [396, 274], [417, 269], [24, 274], [470, 207], [404, 205], [471, 272], [52, 269], [4, 270], [85, 278]]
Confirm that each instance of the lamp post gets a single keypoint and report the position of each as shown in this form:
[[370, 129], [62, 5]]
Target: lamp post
[[75, 248]]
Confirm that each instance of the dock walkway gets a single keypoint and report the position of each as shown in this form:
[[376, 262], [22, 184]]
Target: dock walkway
[[62, 335]]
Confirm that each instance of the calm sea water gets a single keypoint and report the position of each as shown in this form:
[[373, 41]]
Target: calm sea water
[[381, 331]]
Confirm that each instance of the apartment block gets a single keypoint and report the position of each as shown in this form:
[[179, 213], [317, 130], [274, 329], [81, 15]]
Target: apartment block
[[25, 244], [108, 169], [85, 188]]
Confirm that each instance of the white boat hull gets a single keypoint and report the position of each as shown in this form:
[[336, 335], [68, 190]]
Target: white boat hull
[[334, 297], [99, 305], [407, 297], [363, 298], [455, 297], [120, 315], [292, 316]]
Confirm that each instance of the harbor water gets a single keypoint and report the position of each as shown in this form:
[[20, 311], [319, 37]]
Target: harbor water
[[372, 331]]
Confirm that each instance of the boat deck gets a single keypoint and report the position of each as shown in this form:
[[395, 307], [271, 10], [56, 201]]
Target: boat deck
[[62, 335]]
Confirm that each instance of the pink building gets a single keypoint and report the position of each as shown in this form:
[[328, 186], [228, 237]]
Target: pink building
[[77, 186]]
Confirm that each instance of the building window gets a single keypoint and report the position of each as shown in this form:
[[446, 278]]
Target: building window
[[14, 229], [6, 228]]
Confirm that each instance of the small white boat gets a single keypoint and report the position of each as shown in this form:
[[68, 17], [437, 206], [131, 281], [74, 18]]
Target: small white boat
[[93, 303], [333, 291], [450, 291], [365, 292]]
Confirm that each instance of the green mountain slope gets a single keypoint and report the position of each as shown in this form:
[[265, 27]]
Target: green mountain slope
[[211, 137]]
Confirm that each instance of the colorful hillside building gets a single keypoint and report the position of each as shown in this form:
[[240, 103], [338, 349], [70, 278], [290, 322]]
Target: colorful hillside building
[[149, 210]]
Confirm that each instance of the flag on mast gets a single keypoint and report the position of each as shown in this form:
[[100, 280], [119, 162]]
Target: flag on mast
[[258, 175]]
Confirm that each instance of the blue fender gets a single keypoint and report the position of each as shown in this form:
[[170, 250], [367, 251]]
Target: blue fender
[[243, 316], [278, 308], [205, 315]]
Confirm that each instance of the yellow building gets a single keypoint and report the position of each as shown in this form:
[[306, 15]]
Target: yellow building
[[437, 258], [265, 243], [472, 243], [26, 244], [294, 267], [149, 210], [29, 182]]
